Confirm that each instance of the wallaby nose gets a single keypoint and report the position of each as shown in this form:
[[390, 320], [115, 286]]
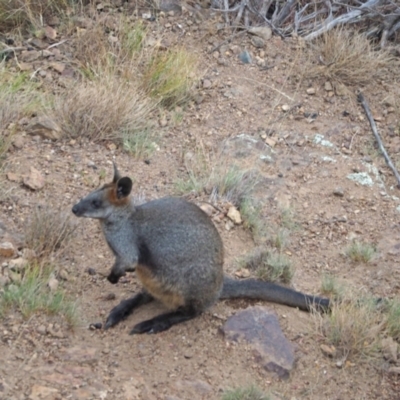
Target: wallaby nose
[[75, 209]]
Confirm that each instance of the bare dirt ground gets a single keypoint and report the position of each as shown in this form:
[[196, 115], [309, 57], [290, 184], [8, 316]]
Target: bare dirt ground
[[193, 360]]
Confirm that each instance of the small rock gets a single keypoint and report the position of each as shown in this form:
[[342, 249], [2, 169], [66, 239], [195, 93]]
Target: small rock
[[24, 67], [311, 91], [40, 44], [18, 264], [245, 57], [34, 180], [58, 67], [53, 284], [208, 209], [329, 351], [258, 42], [242, 273], [15, 277], [229, 225], [18, 142], [285, 108], [109, 297], [29, 56], [12, 177], [338, 192], [29, 254], [340, 89], [41, 329], [63, 274], [207, 84], [91, 271], [328, 86], [45, 128], [4, 280], [263, 32], [7, 250], [39, 392], [270, 142], [50, 32], [163, 122], [389, 349], [394, 370], [234, 215]]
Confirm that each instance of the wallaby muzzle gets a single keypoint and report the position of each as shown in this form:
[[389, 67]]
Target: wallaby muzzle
[[77, 210]]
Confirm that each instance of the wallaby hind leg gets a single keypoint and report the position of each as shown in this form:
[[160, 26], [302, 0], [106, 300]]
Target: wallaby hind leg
[[165, 321], [126, 307]]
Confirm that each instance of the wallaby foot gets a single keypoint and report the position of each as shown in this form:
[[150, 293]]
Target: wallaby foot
[[164, 321], [126, 307]]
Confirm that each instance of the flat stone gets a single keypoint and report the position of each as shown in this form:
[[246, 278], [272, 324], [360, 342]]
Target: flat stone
[[7, 250], [39, 392], [81, 354], [264, 32], [45, 128], [34, 180], [260, 327]]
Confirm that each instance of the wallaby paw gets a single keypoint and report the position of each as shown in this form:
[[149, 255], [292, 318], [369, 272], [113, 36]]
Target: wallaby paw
[[116, 315], [149, 326]]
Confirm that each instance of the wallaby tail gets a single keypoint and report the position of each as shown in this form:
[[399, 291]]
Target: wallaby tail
[[255, 289]]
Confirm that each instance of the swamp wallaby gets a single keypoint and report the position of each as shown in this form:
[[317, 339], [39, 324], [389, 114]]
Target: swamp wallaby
[[177, 254]]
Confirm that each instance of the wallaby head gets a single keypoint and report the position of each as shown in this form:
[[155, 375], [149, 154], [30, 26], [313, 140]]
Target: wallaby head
[[101, 203]]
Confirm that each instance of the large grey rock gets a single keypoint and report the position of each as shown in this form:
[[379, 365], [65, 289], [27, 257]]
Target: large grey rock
[[260, 327]]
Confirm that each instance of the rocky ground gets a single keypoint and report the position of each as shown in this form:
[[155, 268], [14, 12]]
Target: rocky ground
[[311, 144]]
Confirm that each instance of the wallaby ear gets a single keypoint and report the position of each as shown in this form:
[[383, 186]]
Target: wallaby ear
[[117, 175], [124, 187]]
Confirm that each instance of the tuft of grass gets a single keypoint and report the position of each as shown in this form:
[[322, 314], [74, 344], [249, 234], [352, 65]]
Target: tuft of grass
[[280, 238], [246, 393], [232, 184], [272, 267], [19, 97], [103, 110], [347, 57], [23, 14], [250, 212], [393, 319], [139, 144], [354, 326], [360, 252], [49, 232], [169, 76], [331, 287], [32, 295]]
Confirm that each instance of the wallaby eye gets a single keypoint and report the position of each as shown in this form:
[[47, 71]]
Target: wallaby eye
[[96, 203]]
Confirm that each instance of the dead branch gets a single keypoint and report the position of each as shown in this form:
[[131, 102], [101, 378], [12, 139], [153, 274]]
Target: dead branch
[[374, 128], [311, 19]]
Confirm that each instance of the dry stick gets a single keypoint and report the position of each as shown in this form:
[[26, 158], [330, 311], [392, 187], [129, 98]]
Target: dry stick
[[367, 110]]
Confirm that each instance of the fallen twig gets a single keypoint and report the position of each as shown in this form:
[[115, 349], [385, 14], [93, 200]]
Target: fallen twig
[[371, 120]]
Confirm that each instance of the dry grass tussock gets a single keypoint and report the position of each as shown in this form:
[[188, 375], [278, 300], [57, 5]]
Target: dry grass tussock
[[355, 326], [49, 232], [20, 14], [102, 110], [347, 57]]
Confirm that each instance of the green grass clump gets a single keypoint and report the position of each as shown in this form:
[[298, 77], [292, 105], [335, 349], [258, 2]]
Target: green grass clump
[[23, 14], [139, 144], [360, 252], [393, 319], [331, 287], [169, 77], [271, 267], [31, 295], [247, 393]]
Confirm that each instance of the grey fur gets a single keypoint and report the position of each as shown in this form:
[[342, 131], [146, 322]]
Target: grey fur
[[178, 254]]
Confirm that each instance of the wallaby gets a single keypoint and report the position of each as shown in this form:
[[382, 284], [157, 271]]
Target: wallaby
[[177, 254]]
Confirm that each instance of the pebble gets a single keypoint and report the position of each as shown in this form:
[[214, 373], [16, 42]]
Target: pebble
[[338, 192]]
